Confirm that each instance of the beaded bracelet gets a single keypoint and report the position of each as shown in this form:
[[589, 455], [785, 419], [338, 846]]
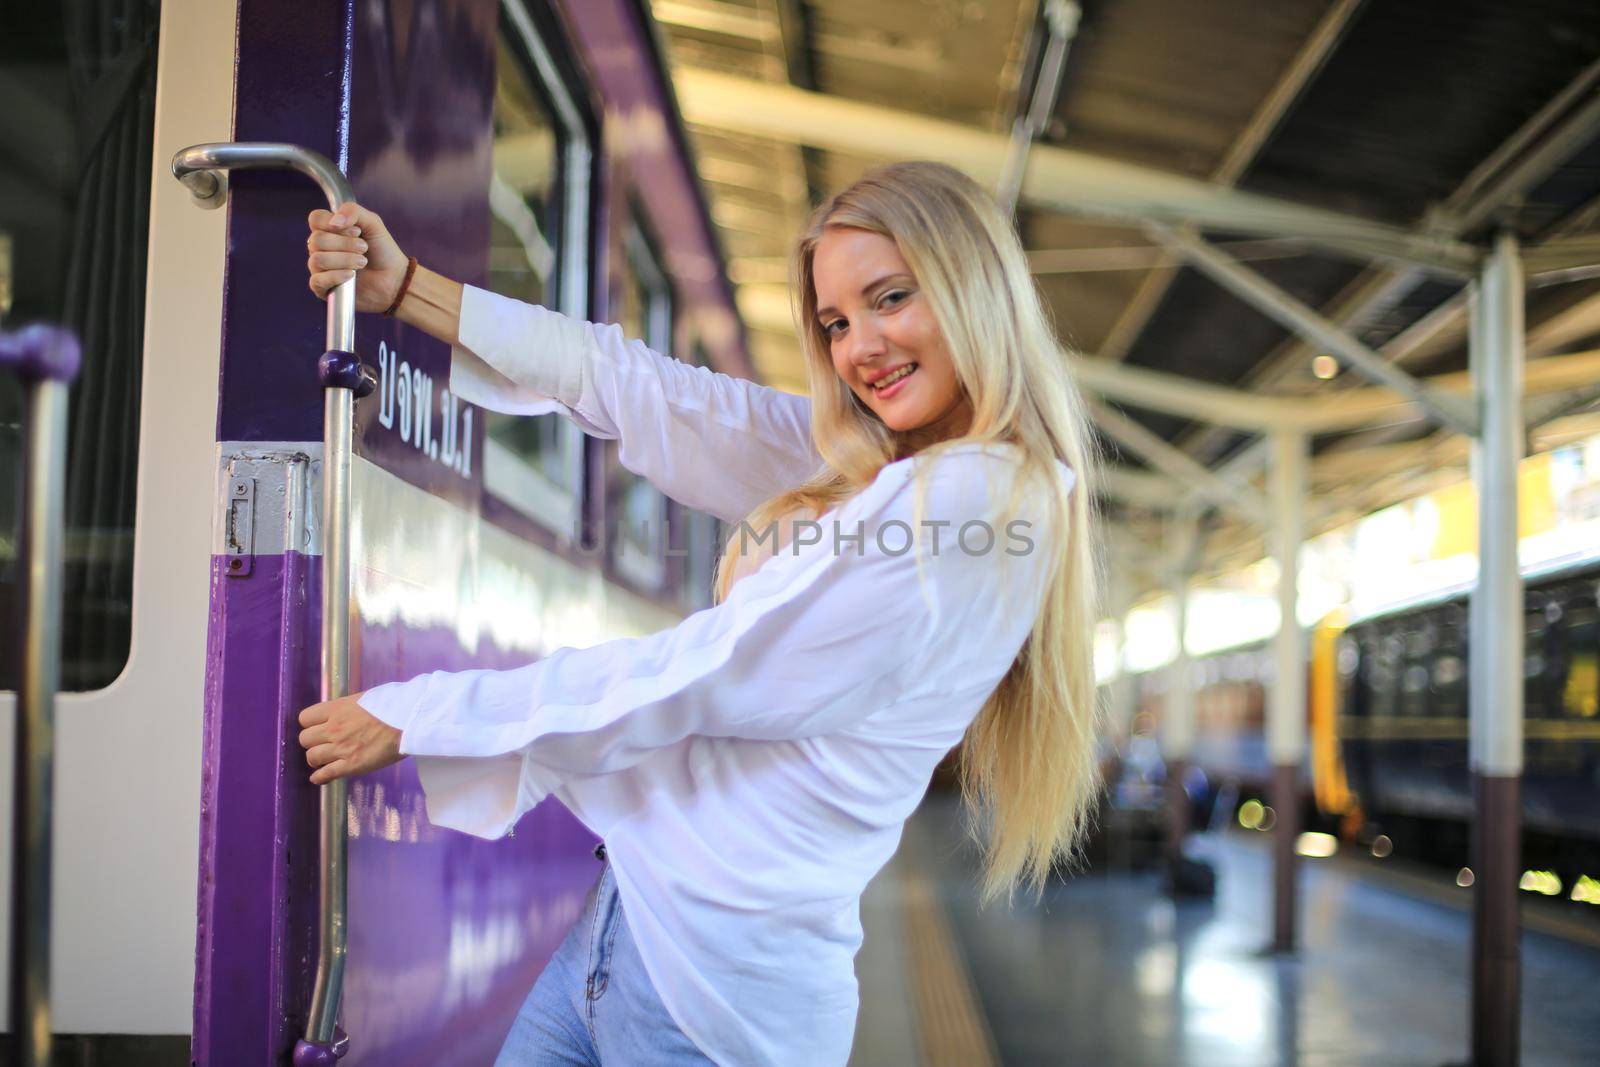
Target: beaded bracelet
[[405, 285]]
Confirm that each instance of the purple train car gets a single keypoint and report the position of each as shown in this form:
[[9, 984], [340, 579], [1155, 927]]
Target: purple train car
[[531, 147]]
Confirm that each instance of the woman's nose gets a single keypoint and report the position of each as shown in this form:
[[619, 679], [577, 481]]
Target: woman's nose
[[866, 343]]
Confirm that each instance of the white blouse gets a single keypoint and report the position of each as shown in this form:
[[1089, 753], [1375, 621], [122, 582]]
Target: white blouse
[[749, 769]]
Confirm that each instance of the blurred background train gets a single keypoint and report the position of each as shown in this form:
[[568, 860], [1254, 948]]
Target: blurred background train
[[527, 146], [1387, 725]]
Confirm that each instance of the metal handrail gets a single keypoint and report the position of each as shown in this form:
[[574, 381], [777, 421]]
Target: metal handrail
[[47, 360], [203, 169]]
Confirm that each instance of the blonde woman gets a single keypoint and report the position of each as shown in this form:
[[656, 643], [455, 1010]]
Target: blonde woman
[[750, 770]]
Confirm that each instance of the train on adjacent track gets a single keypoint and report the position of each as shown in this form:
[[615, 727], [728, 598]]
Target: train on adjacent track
[[530, 147], [1387, 720]]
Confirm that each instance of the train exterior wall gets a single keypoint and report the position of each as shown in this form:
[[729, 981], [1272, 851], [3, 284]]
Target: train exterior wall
[[1404, 721], [447, 932]]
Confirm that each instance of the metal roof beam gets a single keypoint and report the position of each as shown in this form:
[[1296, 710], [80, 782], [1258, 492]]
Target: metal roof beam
[[1146, 489], [1569, 135], [713, 16], [1350, 408], [1172, 394], [1306, 63], [1563, 253], [794, 37], [1344, 409], [1057, 178], [1531, 156], [1298, 318], [1164, 457], [1061, 26]]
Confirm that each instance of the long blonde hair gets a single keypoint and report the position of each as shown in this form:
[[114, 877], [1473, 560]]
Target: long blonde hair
[[1028, 763]]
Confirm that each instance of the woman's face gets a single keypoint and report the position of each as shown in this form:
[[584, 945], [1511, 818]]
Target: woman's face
[[885, 342]]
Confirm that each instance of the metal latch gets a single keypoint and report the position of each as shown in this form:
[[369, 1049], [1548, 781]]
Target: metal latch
[[240, 543]]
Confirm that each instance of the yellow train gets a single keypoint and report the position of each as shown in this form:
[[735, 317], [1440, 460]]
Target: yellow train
[[1387, 720]]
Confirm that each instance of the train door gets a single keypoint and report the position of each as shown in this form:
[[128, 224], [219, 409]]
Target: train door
[[464, 125], [94, 235]]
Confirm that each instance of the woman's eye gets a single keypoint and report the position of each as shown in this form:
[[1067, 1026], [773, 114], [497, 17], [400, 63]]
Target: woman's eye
[[893, 297], [830, 329]]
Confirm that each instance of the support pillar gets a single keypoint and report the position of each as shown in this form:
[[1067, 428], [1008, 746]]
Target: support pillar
[[1496, 640], [1286, 714], [1120, 689], [1178, 718]]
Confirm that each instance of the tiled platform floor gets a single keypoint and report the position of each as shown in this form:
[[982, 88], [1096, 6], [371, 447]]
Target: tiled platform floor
[[1109, 971]]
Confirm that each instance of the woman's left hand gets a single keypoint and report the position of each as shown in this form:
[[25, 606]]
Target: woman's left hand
[[341, 738]]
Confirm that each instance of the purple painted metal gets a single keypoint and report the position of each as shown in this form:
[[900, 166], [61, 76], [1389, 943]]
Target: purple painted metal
[[39, 352], [421, 148], [289, 86], [447, 933], [614, 42], [255, 950]]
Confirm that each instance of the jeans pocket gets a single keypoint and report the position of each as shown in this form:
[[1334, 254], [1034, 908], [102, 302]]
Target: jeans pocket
[[602, 934]]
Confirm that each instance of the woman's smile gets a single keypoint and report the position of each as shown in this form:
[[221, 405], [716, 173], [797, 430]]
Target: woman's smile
[[889, 384], [884, 338]]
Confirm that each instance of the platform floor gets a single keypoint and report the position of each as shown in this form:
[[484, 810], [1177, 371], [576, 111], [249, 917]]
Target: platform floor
[[1109, 971]]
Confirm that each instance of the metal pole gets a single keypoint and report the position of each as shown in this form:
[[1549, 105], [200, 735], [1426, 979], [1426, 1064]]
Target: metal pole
[[1178, 731], [1061, 19], [1286, 718], [1495, 696], [46, 360], [203, 169], [338, 412]]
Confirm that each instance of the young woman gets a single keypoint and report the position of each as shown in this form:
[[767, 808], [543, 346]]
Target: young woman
[[750, 769]]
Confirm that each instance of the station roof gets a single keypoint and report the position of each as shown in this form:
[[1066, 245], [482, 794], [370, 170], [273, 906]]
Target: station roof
[[1436, 123]]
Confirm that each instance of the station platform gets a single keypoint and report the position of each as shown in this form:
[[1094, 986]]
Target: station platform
[[1107, 970]]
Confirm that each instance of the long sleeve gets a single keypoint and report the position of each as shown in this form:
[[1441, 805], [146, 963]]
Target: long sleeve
[[817, 640], [708, 440]]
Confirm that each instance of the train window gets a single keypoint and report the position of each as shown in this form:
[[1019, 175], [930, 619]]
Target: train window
[[538, 252], [75, 148], [1450, 673], [1383, 674], [1580, 680], [637, 511], [1349, 658], [704, 536], [1416, 677], [1364, 663], [1536, 629], [1414, 690]]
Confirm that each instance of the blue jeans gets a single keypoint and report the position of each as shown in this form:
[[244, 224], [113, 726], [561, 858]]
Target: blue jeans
[[594, 1003]]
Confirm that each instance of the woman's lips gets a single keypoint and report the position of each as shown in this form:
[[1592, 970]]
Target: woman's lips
[[894, 387]]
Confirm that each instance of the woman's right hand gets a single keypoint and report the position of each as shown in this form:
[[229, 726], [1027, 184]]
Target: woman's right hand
[[354, 243]]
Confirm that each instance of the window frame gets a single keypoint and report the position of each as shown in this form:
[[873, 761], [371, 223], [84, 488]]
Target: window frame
[[646, 569], [506, 475], [702, 539]]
